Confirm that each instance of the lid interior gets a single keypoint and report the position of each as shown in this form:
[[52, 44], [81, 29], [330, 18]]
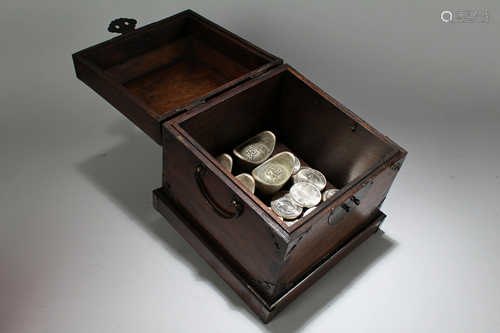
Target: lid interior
[[176, 62]]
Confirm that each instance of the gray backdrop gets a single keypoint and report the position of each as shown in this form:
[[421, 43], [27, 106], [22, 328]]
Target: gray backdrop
[[83, 250]]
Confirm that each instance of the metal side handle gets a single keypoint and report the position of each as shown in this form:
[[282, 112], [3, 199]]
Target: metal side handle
[[200, 172]]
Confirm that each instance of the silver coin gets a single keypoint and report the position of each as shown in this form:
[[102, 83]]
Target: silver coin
[[291, 222], [311, 176], [282, 219], [296, 166], [294, 176], [305, 195], [282, 205], [328, 193], [308, 211]]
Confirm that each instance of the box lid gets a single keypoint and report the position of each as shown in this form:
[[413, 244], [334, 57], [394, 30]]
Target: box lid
[[156, 72]]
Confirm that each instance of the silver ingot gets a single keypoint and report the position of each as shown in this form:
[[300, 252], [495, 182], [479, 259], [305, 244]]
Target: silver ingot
[[328, 193], [255, 150], [274, 173], [310, 176], [296, 166], [282, 205], [226, 161], [305, 195], [247, 180]]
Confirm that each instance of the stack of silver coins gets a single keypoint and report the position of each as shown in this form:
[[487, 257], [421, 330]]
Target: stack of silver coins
[[304, 195]]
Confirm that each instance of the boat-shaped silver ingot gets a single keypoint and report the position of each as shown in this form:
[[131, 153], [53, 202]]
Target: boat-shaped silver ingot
[[296, 166], [247, 180], [255, 150], [274, 173], [226, 161]]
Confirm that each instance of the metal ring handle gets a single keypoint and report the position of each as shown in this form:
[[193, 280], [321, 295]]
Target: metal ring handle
[[202, 171]]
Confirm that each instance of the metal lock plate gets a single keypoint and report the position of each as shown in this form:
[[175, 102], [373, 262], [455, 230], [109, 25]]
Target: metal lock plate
[[340, 212]]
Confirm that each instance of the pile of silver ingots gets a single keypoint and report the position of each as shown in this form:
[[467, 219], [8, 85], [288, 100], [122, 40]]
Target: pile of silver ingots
[[269, 175]]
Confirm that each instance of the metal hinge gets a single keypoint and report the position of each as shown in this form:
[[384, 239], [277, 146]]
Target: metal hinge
[[396, 167], [194, 105]]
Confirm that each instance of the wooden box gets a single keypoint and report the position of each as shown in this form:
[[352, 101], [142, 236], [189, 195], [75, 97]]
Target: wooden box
[[199, 91]]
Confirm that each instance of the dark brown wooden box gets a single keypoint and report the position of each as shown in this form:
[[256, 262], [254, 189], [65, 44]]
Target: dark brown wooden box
[[198, 90]]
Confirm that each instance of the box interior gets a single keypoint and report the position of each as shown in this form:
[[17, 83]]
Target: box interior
[[322, 135], [177, 62]]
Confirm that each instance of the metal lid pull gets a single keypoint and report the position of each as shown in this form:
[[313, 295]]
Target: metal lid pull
[[122, 25]]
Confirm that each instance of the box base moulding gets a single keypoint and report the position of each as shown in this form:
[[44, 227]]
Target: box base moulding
[[226, 270]]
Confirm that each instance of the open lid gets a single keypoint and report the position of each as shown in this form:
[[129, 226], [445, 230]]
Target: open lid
[[158, 71]]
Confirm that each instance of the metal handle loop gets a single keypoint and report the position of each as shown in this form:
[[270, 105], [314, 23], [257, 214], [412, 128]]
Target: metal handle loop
[[202, 171]]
